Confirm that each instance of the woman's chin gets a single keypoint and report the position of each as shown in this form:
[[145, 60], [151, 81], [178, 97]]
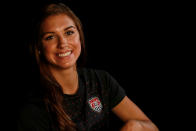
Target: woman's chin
[[66, 66]]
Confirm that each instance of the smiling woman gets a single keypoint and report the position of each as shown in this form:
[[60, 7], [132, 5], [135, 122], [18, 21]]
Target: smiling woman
[[60, 41], [72, 98]]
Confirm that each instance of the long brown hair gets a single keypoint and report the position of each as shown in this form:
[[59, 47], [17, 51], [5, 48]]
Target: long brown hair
[[53, 94]]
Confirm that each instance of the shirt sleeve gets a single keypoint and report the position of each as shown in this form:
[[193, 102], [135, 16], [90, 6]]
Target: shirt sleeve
[[116, 92], [32, 118]]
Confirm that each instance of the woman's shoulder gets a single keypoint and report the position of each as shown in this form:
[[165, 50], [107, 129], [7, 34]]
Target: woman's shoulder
[[32, 108], [33, 115]]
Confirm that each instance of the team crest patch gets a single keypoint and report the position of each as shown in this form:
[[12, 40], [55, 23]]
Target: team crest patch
[[95, 104]]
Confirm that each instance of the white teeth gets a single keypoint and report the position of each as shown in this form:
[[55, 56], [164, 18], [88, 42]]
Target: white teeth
[[65, 54]]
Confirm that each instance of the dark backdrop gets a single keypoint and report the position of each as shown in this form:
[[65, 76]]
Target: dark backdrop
[[133, 41]]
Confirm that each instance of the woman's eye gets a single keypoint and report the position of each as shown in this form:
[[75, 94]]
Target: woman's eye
[[49, 37], [69, 32]]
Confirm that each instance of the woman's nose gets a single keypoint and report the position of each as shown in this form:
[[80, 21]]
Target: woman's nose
[[62, 43]]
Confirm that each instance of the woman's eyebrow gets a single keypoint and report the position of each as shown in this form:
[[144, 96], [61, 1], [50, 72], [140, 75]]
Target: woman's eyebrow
[[69, 27], [46, 33], [53, 32]]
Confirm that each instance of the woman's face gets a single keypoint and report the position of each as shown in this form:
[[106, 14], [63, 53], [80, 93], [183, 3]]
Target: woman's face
[[60, 41]]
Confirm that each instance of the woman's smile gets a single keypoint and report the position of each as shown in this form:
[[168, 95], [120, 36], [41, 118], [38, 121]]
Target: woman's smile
[[64, 54]]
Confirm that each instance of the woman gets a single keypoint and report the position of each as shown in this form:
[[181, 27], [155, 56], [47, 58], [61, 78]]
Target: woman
[[73, 98]]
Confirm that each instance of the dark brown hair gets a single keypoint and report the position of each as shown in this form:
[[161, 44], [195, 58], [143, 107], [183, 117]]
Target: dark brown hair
[[53, 94]]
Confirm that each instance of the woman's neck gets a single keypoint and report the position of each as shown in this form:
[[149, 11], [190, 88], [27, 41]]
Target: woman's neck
[[67, 78]]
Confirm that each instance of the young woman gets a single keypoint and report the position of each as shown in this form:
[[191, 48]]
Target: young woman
[[73, 98]]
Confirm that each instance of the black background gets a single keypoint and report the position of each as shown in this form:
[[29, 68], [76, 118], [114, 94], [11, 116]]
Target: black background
[[134, 41]]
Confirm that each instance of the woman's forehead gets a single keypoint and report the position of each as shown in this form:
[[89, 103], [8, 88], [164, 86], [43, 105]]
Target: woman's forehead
[[57, 21]]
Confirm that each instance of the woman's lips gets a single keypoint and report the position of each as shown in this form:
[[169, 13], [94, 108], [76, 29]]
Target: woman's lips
[[64, 54]]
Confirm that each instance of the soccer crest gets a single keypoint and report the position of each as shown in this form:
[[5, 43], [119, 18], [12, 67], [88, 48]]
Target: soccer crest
[[95, 104]]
